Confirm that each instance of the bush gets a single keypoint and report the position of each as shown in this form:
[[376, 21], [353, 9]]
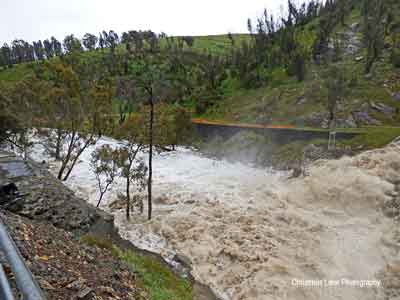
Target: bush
[[297, 66], [395, 57]]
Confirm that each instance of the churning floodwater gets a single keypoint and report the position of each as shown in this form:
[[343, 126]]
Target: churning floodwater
[[250, 232]]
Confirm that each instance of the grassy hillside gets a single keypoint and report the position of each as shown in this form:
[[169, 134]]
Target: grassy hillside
[[215, 44], [286, 101], [218, 44]]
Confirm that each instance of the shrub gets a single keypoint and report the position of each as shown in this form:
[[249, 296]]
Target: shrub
[[395, 57]]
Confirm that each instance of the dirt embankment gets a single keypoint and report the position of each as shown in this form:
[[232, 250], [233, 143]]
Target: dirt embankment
[[46, 225], [66, 268]]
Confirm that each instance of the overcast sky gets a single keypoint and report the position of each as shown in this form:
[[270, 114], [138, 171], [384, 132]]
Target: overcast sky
[[40, 19]]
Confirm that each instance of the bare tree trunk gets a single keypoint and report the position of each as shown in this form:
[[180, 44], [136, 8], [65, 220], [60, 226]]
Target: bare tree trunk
[[128, 199], [101, 197], [76, 158], [65, 161], [58, 144], [149, 183]]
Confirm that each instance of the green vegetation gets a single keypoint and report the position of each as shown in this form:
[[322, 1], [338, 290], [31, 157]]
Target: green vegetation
[[159, 281], [216, 44], [155, 277], [15, 73], [278, 74], [374, 137]]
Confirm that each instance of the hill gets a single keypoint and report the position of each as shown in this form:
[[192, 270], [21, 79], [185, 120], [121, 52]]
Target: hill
[[282, 73]]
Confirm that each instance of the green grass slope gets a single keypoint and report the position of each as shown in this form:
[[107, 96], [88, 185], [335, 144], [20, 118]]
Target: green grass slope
[[284, 100]]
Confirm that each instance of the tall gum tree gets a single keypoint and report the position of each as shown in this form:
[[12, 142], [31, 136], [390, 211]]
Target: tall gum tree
[[78, 115]]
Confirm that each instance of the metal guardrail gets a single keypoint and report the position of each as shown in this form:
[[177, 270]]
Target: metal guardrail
[[25, 282], [5, 289]]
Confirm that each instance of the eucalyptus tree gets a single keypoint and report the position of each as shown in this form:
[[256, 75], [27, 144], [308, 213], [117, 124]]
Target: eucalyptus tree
[[152, 77], [39, 50], [132, 168], [90, 41], [5, 55], [77, 115], [71, 43], [48, 48], [104, 164], [57, 47], [374, 12], [22, 51]]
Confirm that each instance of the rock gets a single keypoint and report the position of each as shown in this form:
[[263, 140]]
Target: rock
[[301, 100], [354, 26], [184, 260], [109, 291], [368, 76], [363, 118], [317, 119], [396, 96], [46, 285], [85, 294], [383, 108], [350, 122], [76, 285]]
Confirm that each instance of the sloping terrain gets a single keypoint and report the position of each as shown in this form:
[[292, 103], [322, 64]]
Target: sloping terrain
[[368, 100], [66, 268]]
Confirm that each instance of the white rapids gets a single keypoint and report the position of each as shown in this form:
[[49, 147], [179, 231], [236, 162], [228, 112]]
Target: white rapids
[[251, 233]]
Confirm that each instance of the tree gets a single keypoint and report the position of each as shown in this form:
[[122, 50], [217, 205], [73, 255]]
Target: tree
[[336, 87], [101, 41], [22, 51], [132, 169], [213, 70], [321, 44], [374, 30], [5, 53], [48, 48], [342, 10], [150, 76], [189, 40], [111, 40], [72, 44], [39, 50], [79, 116], [183, 125], [231, 39], [9, 123], [90, 41], [125, 93], [57, 47], [298, 64], [18, 110], [104, 164]]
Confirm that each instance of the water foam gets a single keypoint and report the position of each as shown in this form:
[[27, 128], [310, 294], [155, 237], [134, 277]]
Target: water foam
[[249, 232]]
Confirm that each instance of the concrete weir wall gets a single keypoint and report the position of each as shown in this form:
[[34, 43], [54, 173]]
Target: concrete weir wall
[[276, 135]]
